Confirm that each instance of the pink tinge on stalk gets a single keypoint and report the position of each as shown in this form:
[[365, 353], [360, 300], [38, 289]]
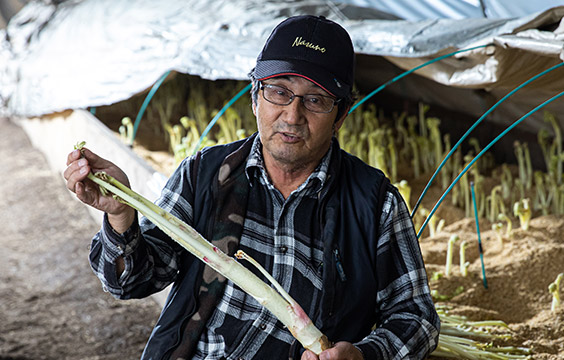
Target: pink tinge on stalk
[[322, 342], [304, 319]]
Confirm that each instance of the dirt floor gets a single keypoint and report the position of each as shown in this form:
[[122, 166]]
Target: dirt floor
[[51, 304], [50, 301]]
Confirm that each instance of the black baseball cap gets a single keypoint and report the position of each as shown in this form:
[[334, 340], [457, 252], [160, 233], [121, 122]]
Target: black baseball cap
[[312, 47]]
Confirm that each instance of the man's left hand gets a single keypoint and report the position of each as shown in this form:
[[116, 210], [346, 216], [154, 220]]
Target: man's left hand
[[340, 351]]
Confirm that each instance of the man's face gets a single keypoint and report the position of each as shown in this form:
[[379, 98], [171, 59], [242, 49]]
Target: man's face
[[292, 136]]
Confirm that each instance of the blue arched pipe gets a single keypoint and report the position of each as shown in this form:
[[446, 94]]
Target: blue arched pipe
[[148, 98], [521, 119], [404, 74], [424, 192], [218, 115]]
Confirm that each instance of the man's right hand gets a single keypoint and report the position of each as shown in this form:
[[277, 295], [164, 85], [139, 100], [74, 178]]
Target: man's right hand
[[120, 215]]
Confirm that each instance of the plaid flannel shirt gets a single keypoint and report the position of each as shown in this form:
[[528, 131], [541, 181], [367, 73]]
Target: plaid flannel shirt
[[278, 233]]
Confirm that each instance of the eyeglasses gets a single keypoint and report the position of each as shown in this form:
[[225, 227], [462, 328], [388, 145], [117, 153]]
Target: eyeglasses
[[313, 102]]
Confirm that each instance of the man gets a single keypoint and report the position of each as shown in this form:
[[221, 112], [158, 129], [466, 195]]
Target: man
[[331, 230]]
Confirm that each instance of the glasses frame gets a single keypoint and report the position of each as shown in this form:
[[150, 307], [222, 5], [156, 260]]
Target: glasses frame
[[302, 97]]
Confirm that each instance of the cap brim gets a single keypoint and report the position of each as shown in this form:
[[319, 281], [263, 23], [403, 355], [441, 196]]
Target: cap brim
[[266, 69]]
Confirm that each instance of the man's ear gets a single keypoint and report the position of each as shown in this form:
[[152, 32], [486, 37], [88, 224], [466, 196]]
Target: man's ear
[[339, 122], [254, 106]]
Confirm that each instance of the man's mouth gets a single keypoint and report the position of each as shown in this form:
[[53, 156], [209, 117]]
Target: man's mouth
[[289, 137]]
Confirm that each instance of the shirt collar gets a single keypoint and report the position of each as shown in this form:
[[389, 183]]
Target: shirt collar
[[255, 168]]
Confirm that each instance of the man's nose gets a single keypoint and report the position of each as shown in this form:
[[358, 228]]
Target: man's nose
[[295, 112]]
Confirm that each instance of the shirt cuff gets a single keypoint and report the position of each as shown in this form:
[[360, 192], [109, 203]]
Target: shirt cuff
[[116, 244], [368, 351]]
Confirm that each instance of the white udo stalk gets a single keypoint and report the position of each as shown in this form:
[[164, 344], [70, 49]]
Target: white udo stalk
[[463, 263], [554, 289], [450, 252], [280, 304]]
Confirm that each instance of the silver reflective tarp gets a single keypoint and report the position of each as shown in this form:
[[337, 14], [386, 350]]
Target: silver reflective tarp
[[96, 52], [456, 9]]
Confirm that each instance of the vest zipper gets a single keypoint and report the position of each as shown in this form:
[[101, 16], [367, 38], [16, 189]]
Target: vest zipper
[[339, 265]]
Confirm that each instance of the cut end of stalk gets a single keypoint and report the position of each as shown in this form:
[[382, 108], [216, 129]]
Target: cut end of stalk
[[318, 343], [325, 343]]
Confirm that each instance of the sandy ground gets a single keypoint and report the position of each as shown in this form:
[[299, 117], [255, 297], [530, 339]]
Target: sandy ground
[[51, 304], [518, 274], [52, 307]]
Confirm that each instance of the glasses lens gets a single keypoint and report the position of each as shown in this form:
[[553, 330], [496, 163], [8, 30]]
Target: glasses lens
[[318, 103], [313, 102], [277, 95]]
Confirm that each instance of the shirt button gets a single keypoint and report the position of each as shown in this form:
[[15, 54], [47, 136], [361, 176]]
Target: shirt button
[[262, 326], [283, 249]]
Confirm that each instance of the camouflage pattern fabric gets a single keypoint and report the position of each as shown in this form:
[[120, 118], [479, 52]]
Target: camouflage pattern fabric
[[230, 208]]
